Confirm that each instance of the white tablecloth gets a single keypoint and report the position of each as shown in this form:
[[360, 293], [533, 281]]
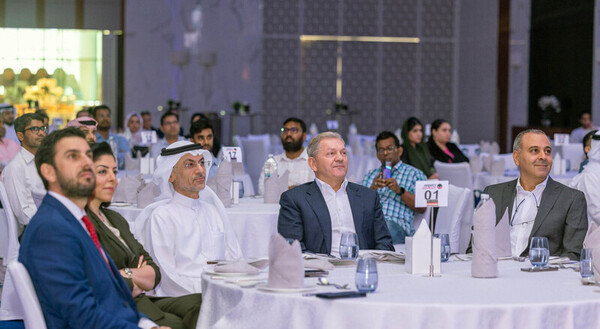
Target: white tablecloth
[[252, 220], [515, 299]]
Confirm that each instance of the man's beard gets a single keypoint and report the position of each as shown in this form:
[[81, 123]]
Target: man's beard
[[72, 189], [292, 146]]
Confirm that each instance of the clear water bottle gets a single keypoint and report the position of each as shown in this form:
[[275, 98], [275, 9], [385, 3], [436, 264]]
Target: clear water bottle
[[484, 199], [270, 167]]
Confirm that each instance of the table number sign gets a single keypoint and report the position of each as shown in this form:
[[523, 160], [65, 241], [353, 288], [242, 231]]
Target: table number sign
[[561, 139], [232, 154], [431, 193], [149, 137]]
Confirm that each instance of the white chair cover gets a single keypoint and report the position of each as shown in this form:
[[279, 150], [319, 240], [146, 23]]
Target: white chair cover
[[255, 152], [573, 153], [28, 300], [450, 219], [420, 217], [458, 174]]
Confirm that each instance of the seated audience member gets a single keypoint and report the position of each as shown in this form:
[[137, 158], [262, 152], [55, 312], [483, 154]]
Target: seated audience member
[[87, 125], [201, 132], [169, 125], [537, 205], [76, 282], [147, 122], [585, 120], [101, 114], [294, 158], [133, 129], [587, 145], [20, 177], [588, 181], [134, 264], [8, 148], [439, 144], [7, 112], [216, 144], [414, 150], [316, 213], [397, 192], [189, 227]]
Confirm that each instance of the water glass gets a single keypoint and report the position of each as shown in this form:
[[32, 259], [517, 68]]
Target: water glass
[[585, 265], [539, 252], [366, 275], [349, 245], [444, 246]]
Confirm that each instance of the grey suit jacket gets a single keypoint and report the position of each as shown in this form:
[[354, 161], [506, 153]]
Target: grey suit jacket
[[561, 216], [304, 217]]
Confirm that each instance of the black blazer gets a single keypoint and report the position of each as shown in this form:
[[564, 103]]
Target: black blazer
[[439, 155], [304, 217]]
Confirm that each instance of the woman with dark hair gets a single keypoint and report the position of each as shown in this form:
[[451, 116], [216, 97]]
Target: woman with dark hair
[[134, 263], [416, 152], [439, 144]]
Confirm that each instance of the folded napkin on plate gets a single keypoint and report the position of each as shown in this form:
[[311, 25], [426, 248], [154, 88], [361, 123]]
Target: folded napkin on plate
[[476, 164], [503, 237], [497, 168], [485, 146], [146, 194], [222, 181], [131, 163], [494, 148], [487, 162], [384, 256], [274, 186], [596, 264], [592, 237], [286, 267], [320, 264], [237, 267], [127, 189], [485, 262], [259, 263]]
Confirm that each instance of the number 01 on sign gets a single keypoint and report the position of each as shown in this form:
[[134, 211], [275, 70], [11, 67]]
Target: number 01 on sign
[[431, 193]]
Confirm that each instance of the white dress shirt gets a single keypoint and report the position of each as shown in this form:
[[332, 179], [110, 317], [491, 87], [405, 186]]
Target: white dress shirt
[[184, 234], [78, 213], [525, 210], [300, 172], [339, 212], [22, 183]]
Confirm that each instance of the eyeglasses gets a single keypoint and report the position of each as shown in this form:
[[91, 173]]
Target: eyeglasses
[[35, 130], [192, 165], [389, 149], [293, 130]]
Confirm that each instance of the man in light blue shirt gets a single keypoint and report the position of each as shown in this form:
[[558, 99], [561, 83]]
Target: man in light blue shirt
[[101, 114]]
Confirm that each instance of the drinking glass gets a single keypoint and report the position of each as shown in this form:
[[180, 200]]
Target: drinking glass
[[366, 275], [349, 245], [585, 265], [445, 246], [539, 252]]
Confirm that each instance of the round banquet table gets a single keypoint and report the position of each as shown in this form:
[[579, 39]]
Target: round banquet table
[[515, 299], [252, 220]]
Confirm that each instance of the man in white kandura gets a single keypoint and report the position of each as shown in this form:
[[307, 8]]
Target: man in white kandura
[[588, 181], [189, 226]]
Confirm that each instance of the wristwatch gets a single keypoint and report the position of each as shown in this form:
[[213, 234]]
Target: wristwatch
[[402, 190], [128, 272]]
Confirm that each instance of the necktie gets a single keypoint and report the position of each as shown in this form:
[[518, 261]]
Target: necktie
[[92, 231]]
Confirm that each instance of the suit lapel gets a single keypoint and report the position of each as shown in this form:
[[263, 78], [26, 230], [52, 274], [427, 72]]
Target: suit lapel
[[549, 197], [107, 233], [508, 198], [356, 205], [315, 199]]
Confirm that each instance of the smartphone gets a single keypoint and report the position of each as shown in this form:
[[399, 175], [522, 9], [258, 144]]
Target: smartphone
[[386, 169], [539, 269], [342, 294]]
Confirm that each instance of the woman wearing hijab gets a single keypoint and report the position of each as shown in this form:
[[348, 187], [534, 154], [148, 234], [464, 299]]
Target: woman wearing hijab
[[415, 151], [133, 129]]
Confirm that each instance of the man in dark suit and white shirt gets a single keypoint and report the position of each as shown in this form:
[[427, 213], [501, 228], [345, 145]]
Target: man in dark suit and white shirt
[[538, 205], [316, 213], [77, 283]]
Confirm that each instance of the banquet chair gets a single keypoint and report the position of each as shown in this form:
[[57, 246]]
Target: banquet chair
[[9, 242], [456, 219], [255, 152], [29, 302], [458, 174], [572, 152]]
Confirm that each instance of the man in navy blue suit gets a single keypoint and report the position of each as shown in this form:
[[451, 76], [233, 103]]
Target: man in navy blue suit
[[76, 282], [318, 212]]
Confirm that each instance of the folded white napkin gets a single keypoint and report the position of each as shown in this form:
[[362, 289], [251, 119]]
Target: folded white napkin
[[384, 256], [455, 138], [556, 164], [146, 194], [476, 164], [485, 146], [223, 180], [320, 264], [592, 237], [127, 189], [238, 168], [596, 264], [503, 237], [485, 262], [131, 163], [487, 162], [274, 186], [497, 167], [494, 148], [286, 267], [237, 267]]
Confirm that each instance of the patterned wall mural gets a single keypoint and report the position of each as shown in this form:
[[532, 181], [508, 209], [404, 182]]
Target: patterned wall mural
[[384, 83]]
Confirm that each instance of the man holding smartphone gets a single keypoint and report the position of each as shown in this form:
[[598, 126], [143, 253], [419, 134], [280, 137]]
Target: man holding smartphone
[[396, 192]]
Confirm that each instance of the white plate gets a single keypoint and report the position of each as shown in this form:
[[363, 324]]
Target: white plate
[[121, 204], [212, 272], [264, 287]]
